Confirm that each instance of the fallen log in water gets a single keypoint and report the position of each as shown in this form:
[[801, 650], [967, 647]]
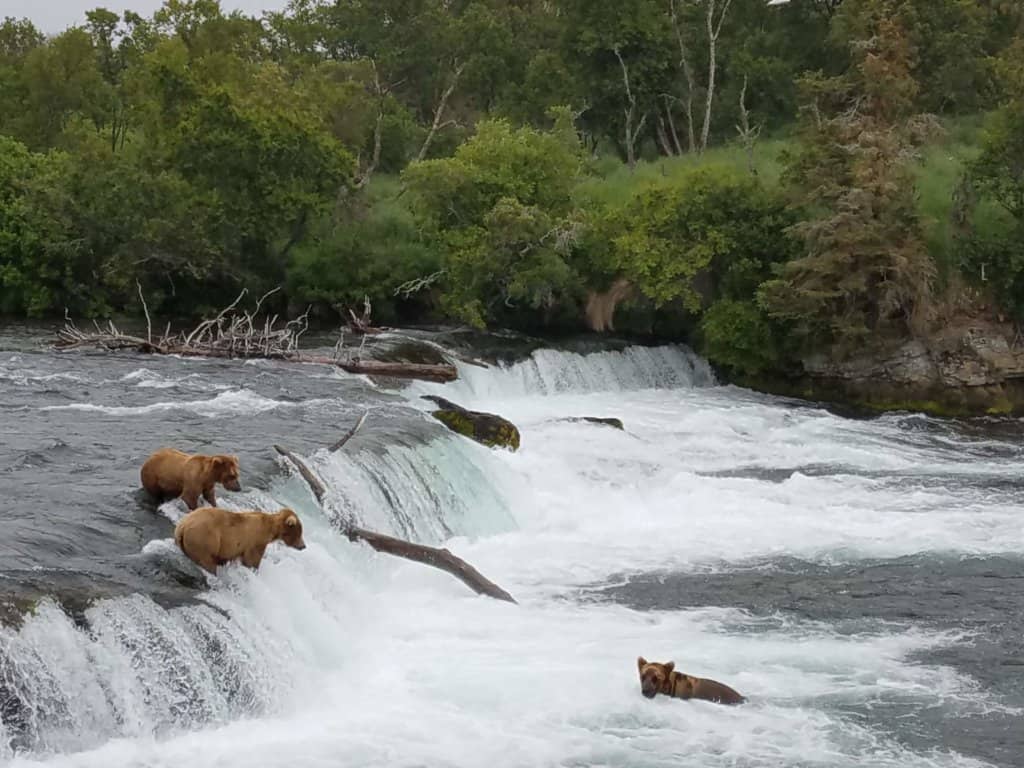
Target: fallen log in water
[[239, 334], [435, 557]]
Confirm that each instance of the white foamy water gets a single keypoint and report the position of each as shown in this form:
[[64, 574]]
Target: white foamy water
[[234, 402], [335, 656]]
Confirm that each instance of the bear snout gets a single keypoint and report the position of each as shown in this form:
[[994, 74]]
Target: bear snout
[[300, 544], [648, 689], [233, 485]]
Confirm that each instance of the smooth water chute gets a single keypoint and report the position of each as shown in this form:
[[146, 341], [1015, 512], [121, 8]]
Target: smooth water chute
[[551, 371]]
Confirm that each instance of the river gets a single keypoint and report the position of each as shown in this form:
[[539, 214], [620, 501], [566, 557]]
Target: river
[[859, 580]]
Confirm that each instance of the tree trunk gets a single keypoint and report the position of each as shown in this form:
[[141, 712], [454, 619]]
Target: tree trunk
[[630, 114], [672, 126], [364, 177], [691, 85], [714, 30], [663, 140]]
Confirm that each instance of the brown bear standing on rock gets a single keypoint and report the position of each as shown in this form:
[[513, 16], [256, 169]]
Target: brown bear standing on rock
[[169, 473], [213, 536], [658, 678]]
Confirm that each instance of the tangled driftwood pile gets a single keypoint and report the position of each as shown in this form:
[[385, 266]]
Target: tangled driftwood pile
[[237, 333]]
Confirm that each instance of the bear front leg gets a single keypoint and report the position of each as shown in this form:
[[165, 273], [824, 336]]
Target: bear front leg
[[254, 556], [208, 563], [191, 498], [210, 496]]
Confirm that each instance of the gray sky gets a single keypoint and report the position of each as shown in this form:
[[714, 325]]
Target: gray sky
[[56, 15]]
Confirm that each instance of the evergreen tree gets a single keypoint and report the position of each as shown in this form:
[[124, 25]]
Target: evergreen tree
[[865, 268]]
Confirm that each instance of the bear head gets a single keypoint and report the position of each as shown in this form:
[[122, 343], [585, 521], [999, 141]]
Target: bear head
[[291, 529], [654, 677], [226, 472]]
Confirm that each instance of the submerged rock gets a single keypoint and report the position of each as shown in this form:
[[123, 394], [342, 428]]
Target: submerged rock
[[486, 428], [607, 421]]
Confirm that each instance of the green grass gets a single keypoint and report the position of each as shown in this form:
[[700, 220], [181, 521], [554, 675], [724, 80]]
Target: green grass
[[941, 168], [613, 183]]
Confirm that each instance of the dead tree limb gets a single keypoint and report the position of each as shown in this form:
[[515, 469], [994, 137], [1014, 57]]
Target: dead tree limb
[[348, 435], [436, 557], [442, 104], [149, 323], [307, 474], [748, 134], [629, 113]]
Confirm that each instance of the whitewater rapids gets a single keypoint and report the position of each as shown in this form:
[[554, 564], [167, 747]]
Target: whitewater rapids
[[680, 538]]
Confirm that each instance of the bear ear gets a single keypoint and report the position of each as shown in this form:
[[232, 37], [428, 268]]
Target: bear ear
[[670, 666], [292, 521], [641, 662]]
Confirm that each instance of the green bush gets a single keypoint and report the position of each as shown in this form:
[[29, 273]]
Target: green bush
[[740, 337], [338, 265]]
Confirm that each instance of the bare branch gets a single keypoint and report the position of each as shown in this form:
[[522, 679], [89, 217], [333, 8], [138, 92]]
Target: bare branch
[[439, 111], [149, 323], [409, 287]]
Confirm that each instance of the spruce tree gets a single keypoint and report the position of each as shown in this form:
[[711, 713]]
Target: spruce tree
[[865, 268]]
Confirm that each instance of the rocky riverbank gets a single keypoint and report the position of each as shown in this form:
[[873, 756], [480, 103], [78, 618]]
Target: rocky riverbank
[[968, 369]]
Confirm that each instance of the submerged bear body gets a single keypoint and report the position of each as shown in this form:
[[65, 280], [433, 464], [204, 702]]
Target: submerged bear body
[[658, 678]]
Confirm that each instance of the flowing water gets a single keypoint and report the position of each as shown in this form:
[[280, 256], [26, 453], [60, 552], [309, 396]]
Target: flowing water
[[860, 581]]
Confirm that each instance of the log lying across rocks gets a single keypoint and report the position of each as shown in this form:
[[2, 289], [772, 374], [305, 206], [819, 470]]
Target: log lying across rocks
[[234, 333], [435, 557]]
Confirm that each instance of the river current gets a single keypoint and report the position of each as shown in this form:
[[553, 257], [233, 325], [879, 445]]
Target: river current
[[859, 580]]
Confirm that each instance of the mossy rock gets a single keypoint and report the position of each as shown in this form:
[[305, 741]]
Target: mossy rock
[[486, 428]]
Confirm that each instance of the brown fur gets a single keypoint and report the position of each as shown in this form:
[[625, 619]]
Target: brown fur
[[658, 678], [212, 536], [169, 473]]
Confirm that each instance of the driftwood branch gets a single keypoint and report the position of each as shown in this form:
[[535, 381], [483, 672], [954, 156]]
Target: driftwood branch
[[436, 557], [350, 434], [235, 333]]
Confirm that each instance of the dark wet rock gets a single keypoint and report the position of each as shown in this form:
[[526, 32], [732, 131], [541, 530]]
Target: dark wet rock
[[21, 593], [601, 420], [486, 428]]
